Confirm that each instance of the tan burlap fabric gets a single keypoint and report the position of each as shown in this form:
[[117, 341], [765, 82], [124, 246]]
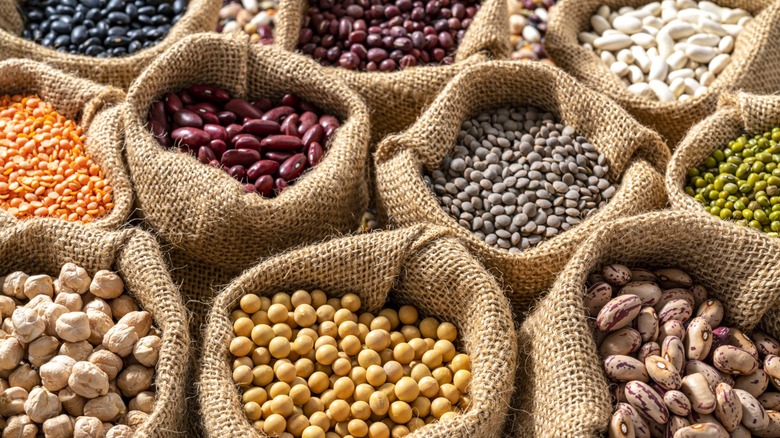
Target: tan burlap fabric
[[204, 211], [409, 266], [751, 68], [634, 154], [201, 16], [561, 388], [396, 99], [97, 110], [37, 247]]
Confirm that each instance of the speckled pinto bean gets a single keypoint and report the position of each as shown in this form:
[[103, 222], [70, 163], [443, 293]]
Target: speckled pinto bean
[[699, 392], [597, 297], [625, 369], [619, 312], [702, 430], [729, 408], [263, 145], [621, 426], [663, 372], [647, 291], [754, 415], [641, 428], [647, 401], [755, 383], [677, 403], [646, 324], [772, 369], [772, 430], [621, 342], [698, 339], [733, 360]]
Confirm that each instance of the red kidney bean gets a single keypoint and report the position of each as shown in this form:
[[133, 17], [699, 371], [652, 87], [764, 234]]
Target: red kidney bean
[[279, 185], [157, 113], [263, 104], [206, 155], [290, 100], [173, 103], [190, 137], [233, 130], [261, 127], [314, 154], [262, 167], [246, 141], [243, 109], [209, 117], [238, 172], [216, 132], [249, 188], [219, 147], [226, 117], [279, 157], [210, 93], [203, 107], [157, 129], [282, 142], [186, 97], [327, 121], [215, 163], [244, 157], [290, 125], [185, 118], [313, 135], [278, 113], [292, 167], [308, 119], [329, 132], [264, 185]]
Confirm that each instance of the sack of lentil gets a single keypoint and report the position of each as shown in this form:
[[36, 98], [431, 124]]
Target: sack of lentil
[[395, 98], [38, 247], [633, 153], [199, 16], [207, 213], [562, 389], [750, 68], [96, 109], [415, 266]]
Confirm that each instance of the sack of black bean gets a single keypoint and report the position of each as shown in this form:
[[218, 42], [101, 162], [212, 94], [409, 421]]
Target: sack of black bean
[[522, 163], [109, 42], [657, 319]]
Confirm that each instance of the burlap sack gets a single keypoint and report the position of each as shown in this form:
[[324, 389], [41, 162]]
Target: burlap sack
[[201, 16], [38, 247], [396, 99], [561, 386], [751, 68], [97, 110], [204, 211], [631, 151], [409, 266]]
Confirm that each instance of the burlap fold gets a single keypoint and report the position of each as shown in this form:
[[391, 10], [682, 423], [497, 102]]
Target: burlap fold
[[38, 247], [410, 266], [395, 99], [96, 108], [634, 154], [561, 388], [203, 210], [751, 69], [200, 16]]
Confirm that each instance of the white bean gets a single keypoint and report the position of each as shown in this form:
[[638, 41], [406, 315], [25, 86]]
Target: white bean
[[599, 24], [662, 91], [719, 63], [612, 42], [627, 24]]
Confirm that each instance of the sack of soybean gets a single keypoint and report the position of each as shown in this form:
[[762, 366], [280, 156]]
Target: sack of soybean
[[43, 247], [415, 266], [396, 98], [633, 153], [97, 110], [205, 212], [200, 16], [750, 68], [561, 388]]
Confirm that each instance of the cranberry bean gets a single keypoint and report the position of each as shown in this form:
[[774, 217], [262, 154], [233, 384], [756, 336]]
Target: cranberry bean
[[172, 103], [292, 167], [264, 185], [277, 156], [262, 167], [186, 118], [216, 132], [190, 137], [244, 157], [206, 155], [314, 154], [243, 109], [278, 113], [282, 142], [210, 93], [261, 127]]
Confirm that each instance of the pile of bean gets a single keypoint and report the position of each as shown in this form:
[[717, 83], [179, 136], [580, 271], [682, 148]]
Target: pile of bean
[[252, 17], [676, 371], [265, 146], [77, 356], [45, 170], [742, 182], [528, 24], [385, 35], [517, 176], [669, 50], [100, 28], [312, 367]]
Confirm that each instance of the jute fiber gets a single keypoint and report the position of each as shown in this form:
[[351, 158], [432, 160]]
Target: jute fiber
[[751, 68], [96, 108], [395, 99], [634, 154], [562, 390], [200, 16], [38, 247], [205, 212], [410, 266]]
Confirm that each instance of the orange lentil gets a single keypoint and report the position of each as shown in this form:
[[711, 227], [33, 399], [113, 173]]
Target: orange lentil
[[44, 167]]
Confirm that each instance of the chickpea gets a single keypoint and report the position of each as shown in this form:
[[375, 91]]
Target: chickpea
[[38, 301], [144, 402], [105, 408], [120, 431], [87, 380], [38, 285], [134, 419], [13, 286], [141, 321], [20, 426], [59, 426], [25, 377], [12, 401], [28, 325], [11, 353], [7, 306], [121, 339], [87, 427], [77, 350], [147, 350], [110, 363], [97, 305], [72, 402], [72, 301], [123, 305], [99, 324], [74, 278], [73, 327], [106, 285]]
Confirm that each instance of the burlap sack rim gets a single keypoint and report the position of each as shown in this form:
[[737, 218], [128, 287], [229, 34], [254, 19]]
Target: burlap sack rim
[[109, 97], [195, 9], [419, 236], [560, 40]]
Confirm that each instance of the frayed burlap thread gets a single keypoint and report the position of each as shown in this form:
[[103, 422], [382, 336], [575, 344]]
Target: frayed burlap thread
[[37, 247], [561, 388], [96, 108], [410, 266], [200, 16], [751, 68], [396, 99], [634, 153], [205, 212]]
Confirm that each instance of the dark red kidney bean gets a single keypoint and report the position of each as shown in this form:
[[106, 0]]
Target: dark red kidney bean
[[306, 107], [190, 137], [290, 125], [209, 118], [206, 155], [328, 120], [246, 141], [186, 118], [238, 172], [263, 104], [210, 93], [216, 132], [243, 109], [264, 185], [292, 167], [157, 113], [290, 100], [279, 185], [282, 142], [262, 167], [203, 107], [215, 163], [218, 146], [249, 188], [233, 130], [244, 157], [277, 156], [314, 134], [314, 154], [329, 132], [278, 113], [185, 150], [226, 117], [261, 127], [308, 119], [164, 141], [172, 103], [157, 129], [186, 97]]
